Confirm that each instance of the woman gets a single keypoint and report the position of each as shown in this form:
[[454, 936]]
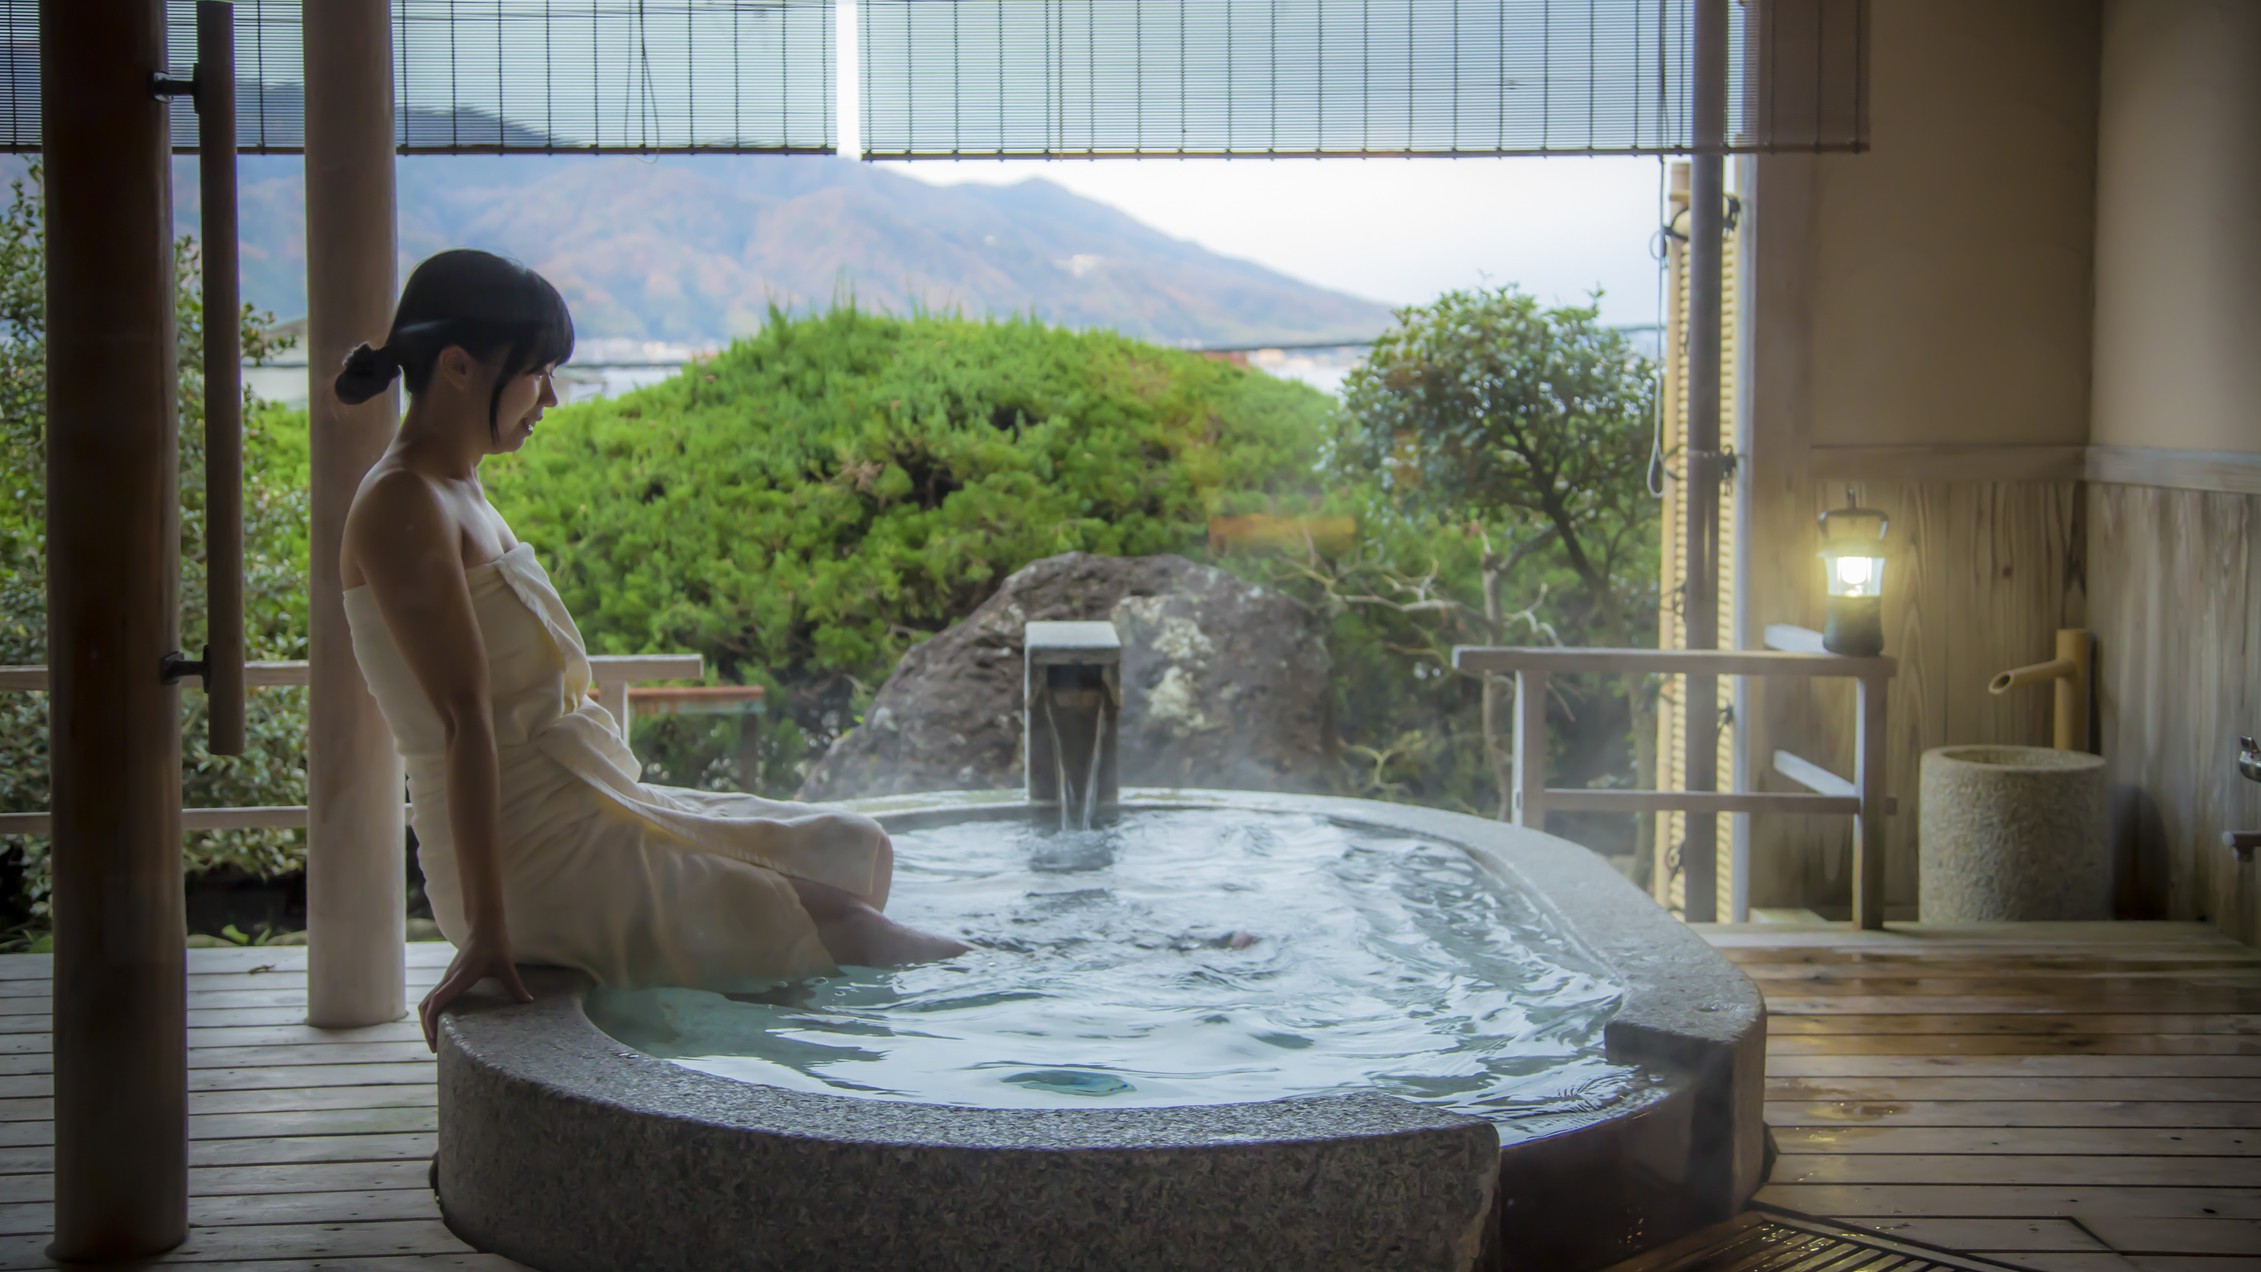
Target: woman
[[536, 838]]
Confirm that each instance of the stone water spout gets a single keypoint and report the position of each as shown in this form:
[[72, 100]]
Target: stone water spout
[[1073, 699]]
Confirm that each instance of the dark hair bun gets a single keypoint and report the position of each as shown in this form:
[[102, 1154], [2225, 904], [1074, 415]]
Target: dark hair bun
[[366, 373]]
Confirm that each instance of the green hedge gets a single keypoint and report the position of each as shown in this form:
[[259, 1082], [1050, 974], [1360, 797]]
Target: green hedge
[[817, 498]]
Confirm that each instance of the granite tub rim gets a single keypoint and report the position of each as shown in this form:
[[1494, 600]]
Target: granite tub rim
[[552, 1046], [1684, 1012]]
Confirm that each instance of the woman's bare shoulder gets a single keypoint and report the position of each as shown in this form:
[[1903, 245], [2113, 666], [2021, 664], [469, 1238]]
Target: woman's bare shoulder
[[391, 479], [393, 498]]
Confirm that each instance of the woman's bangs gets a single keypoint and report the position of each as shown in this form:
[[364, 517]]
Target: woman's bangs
[[554, 346]]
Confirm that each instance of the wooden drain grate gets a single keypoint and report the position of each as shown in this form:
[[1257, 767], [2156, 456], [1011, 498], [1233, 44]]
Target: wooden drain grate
[[1767, 1240]]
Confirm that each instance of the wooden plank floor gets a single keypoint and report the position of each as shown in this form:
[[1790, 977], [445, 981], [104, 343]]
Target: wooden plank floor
[[2068, 1097], [307, 1147], [2074, 1097]]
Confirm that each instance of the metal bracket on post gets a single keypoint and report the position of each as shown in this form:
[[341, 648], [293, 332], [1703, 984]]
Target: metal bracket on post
[[176, 666], [169, 86]]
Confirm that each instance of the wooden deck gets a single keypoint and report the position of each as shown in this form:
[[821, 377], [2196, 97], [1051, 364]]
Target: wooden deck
[[308, 1147], [2071, 1097], [2074, 1097]]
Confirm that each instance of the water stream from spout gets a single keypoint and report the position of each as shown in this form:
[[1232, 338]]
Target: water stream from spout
[[1091, 773], [1076, 814], [1059, 763]]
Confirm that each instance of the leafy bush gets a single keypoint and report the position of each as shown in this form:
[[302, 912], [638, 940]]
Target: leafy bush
[[817, 498], [272, 769]]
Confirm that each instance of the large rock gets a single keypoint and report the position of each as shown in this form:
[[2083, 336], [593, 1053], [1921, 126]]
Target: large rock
[[1224, 685]]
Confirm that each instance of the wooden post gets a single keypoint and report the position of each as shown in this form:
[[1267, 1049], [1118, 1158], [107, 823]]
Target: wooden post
[[1868, 784], [356, 884], [1707, 199], [1531, 749], [113, 578], [2072, 691]]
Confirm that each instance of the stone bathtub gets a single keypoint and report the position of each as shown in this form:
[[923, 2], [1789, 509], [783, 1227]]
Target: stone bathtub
[[565, 1149]]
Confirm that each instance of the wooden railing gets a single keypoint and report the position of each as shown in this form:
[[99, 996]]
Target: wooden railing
[[1862, 797], [613, 673]]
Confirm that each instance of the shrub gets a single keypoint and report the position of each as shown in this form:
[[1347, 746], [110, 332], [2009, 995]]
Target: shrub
[[272, 769], [819, 497]]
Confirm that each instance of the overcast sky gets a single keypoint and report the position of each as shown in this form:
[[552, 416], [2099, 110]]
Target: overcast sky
[[1394, 230]]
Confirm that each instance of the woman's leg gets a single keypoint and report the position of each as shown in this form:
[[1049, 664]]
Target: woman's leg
[[854, 931]]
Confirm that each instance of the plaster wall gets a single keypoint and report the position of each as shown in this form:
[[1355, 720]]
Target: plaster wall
[[1951, 264], [2178, 226]]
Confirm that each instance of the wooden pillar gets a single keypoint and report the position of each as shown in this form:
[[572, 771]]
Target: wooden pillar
[[1707, 199], [356, 887], [113, 570]]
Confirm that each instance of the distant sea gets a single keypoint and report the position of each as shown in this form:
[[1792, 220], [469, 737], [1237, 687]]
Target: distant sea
[[607, 368], [581, 381]]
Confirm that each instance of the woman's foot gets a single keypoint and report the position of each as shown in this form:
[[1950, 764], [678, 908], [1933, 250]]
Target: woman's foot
[[854, 932], [865, 937], [875, 940]]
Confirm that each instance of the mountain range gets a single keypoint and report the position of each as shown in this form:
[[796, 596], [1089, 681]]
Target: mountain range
[[694, 249]]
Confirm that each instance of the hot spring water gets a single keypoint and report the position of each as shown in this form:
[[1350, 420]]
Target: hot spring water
[[1178, 957]]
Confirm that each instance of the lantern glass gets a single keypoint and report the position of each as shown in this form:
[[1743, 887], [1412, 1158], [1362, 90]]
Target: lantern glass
[[1855, 571]]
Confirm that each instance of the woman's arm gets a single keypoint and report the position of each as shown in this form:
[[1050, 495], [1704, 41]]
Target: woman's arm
[[416, 576]]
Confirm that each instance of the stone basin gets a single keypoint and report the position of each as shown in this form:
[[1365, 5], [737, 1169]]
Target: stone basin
[[2013, 833], [563, 1148]]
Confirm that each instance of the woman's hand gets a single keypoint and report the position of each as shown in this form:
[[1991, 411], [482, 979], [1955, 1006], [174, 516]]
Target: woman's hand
[[487, 954]]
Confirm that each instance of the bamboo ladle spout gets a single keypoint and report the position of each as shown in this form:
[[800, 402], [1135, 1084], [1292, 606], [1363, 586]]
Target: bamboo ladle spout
[[2070, 672]]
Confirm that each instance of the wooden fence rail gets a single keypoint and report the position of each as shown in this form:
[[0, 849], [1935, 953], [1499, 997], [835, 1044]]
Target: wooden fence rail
[[1862, 796], [612, 672]]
